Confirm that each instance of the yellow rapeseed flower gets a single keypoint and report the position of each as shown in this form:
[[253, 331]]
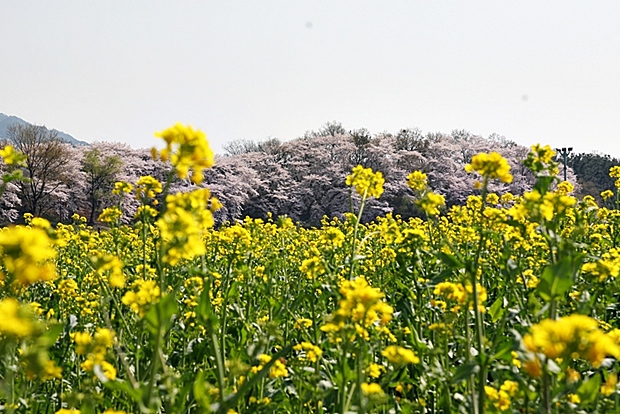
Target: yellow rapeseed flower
[[491, 166], [26, 252], [122, 187], [400, 356], [147, 188], [571, 337], [142, 295], [366, 182], [607, 194], [110, 215], [186, 148], [12, 156], [609, 387], [17, 320], [431, 202], [310, 352], [417, 181], [372, 388], [541, 159], [312, 267], [182, 226]]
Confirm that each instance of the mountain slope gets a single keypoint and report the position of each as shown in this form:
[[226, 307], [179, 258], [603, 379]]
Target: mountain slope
[[6, 120]]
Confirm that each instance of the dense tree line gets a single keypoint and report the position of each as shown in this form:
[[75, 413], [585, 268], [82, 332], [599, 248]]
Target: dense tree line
[[592, 172], [303, 178]]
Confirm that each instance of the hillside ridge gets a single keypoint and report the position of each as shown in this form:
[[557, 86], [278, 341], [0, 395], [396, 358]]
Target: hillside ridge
[[6, 120]]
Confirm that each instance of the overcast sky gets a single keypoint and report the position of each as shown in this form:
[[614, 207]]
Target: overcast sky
[[533, 71]]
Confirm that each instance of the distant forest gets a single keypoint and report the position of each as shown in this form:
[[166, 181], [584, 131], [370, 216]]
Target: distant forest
[[303, 178]]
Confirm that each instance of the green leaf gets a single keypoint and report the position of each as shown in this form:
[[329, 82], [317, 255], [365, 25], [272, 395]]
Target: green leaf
[[451, 261], [233, 291], [589, 389], [558, 278], [543, 183], [441, 277], [51, 335], [200, 386], [204, 310], [504, 351], [418, 343], [159, 317], [125, 388], [496, 311], [465, 371]]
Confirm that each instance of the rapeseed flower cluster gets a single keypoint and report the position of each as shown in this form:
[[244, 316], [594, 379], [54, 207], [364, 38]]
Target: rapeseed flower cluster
[[186, 148], [17, 320], [571, 337], [183, 224], [607, 194], [501, 398], [332, 237], [110, 215], [417, 181], [277, 370], [536, 207], [427, 200], [565, 188], [143, 294], [607, 266], [313, 267], [193, 287], [398, 355], [541, 160], [146, 213], [431, 202], [12, 157], [308, 351], [122, 187], [491, 166], [461, 294], [389, 229], [610, 385], [614, 172], [366, 182], [362, 306], [112, 266], [26, 255], [147, 188], [372, 389], [95, 349]]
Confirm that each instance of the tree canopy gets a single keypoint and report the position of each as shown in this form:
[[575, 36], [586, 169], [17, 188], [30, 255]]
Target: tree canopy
[[303, 178]]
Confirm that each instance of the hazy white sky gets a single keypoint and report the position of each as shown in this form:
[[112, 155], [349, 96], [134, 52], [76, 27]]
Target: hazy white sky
[[534, 71]]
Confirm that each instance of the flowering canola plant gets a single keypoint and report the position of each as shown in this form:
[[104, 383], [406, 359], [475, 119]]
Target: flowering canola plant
[[170, 313]]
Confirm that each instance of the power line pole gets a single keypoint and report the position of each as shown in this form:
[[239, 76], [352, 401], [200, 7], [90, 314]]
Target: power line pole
[[564, 153]]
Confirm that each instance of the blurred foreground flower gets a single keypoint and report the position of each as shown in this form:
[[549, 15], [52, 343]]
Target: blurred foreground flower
[[26, 252], [186, 148], [571, 337]]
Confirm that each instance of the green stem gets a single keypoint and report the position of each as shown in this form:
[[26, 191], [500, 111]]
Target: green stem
[[343, 390], [154, 367], [477, 314], [355, 230], [221, 379], [546, 389]]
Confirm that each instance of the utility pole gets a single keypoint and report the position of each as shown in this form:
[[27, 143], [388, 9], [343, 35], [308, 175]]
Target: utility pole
[[564, 153]]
